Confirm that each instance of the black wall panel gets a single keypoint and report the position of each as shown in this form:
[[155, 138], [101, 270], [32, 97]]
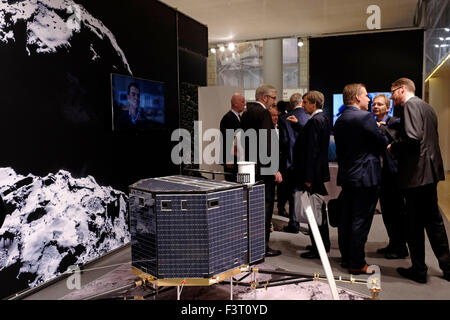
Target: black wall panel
[[56, 110], [376, 59], [192, 35]]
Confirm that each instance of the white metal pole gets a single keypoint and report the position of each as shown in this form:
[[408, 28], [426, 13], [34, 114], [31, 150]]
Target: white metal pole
[[320, 246], [231, 288]]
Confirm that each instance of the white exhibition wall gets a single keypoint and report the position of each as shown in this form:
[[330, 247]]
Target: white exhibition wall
[[213, 103]]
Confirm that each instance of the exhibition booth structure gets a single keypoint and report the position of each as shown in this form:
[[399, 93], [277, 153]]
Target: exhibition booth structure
[[86, 171]]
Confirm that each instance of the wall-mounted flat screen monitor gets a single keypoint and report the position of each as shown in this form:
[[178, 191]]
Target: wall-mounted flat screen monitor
[[138, 104], [338, 104]]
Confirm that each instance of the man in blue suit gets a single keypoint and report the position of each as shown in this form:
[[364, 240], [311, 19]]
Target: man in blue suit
[[311, 161], [290, 126], [359, 144], [392, 201]]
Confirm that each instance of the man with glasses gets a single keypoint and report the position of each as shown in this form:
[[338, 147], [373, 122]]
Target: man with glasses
[[257, 117], [420, 168]]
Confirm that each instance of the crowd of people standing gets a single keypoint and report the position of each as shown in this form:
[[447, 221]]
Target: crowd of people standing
[[396, 161]]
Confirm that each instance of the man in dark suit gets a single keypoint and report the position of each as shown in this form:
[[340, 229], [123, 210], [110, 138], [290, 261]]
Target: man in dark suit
[[311, 161], [232, 121], [392, 201], [420, 169], [133, 116], [290, 126], [359, 144], [257, 117]]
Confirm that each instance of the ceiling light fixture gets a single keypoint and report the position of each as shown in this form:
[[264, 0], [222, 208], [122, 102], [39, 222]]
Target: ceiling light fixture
[[222, 49], [447, 29], [440, 38], [213, 50], [300, 43], [231, 46], [436, 46]]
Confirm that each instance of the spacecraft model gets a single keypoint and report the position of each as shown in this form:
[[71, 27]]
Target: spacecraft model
[[195, 230]]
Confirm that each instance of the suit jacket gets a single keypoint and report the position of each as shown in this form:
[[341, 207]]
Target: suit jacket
[[258, 118], [359, 144], [418, 152], [229, 121], [390, 165], [311, 153], [288, 135]]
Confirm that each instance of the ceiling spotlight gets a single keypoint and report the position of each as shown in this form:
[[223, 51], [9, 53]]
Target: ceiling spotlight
[[231, 46], [222, 49], [213, 50], [448, 38], [300, 43], [440, 38], [447, 29], [436, 46], [444, 45]]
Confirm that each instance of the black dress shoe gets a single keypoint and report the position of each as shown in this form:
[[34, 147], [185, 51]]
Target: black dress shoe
[[395, 255], [310, 255], [384, 250], [272, 253], [290, 229], [412, 275], [310, 248]]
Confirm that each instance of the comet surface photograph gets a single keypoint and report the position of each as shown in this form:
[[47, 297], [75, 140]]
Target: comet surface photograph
[[98, 201]]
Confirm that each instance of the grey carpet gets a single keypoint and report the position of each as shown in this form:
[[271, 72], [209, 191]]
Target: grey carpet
[[393, 286]]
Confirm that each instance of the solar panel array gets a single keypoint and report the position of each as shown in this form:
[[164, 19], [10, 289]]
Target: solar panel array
[[183, 184], [143, 231], [257, 223], [228, 241], [183, 237], [176, 234]]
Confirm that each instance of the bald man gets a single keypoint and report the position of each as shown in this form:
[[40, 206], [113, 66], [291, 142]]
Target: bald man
[[231, 120]]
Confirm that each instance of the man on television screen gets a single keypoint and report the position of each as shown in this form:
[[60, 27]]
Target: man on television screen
[[130, 118]]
